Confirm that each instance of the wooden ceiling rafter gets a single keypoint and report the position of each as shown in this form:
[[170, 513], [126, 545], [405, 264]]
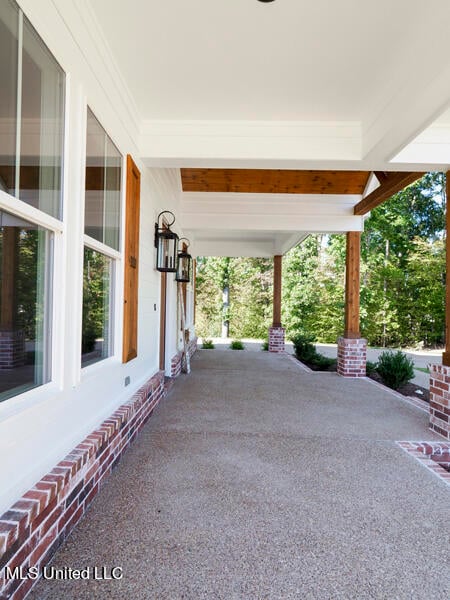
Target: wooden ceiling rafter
[[390, 184], [274, 181]]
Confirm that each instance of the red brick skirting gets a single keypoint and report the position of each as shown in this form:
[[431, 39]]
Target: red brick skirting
[[435, 456], [440, 400], [33, 528]]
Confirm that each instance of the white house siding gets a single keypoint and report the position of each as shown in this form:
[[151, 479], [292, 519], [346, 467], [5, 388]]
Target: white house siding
[[38, 428]]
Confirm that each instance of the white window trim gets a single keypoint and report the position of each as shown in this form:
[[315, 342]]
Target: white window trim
[[102, 248], [29, 213]]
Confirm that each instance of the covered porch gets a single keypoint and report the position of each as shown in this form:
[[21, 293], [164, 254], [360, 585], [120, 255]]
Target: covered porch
[[255, 479]]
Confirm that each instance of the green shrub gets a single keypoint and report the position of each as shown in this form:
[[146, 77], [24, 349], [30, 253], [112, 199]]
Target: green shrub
[[207, 345], [303, 347], [265, 346], [237, 345], [371, 367], [395, 368], [323, 363]]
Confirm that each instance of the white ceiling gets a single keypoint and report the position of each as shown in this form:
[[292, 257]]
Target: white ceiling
[[290, 84], [285, 60]]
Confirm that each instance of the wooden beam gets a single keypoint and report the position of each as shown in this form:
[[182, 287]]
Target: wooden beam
[[274, 181], [352, 274], [277, 273], [381, 175], [393, 183], [446, 354]]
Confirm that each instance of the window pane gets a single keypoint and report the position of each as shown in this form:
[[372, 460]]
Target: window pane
[[25, 305], [103, 176], [42, 125], [8, 95], [96, 343]]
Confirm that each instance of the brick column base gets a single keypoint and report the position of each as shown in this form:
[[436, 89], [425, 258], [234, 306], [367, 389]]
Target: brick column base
[[352, 357], [12, 349], [276, 339], [440, 400]]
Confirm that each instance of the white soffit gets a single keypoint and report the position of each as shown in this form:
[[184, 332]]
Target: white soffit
[[433, 144]]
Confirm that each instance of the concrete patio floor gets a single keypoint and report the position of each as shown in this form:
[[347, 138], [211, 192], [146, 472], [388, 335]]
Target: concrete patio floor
[[256, 480]]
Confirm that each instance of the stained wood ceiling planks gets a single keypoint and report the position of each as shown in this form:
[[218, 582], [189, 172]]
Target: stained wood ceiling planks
[[274, 181]]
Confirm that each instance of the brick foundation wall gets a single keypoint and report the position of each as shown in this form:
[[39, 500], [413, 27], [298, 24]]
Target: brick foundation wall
[[276, 339], [440, 400], [12, 349], [36, 525], [351, 358], [177, 361]]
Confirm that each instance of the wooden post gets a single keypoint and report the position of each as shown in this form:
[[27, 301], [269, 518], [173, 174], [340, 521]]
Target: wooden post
[[277, 272], [194, 286], [446, 354], [351, 327]]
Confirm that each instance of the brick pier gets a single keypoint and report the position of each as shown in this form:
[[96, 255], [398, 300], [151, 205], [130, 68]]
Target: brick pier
[[440, 400], [276, 339], [352, 355]]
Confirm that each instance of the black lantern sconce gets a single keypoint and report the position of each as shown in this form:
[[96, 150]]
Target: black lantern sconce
[[166, 244], [184, 261]]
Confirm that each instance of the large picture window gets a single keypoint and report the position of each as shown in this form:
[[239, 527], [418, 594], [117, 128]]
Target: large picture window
[[31, 114], [31, 156], [26, 258], [102, 240]]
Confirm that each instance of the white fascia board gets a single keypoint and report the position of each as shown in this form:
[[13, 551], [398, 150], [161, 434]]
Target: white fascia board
[[273, 222], [433, 144], [182, 141]]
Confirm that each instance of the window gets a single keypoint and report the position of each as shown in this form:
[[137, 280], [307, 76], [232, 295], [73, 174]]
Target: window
[[102, 239], [31, 114], [31, 156], [97, 307], [26, 258], [103, 173]]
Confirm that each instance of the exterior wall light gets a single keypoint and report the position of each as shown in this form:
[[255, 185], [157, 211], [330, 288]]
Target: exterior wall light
[[166, 244], [184, 261]]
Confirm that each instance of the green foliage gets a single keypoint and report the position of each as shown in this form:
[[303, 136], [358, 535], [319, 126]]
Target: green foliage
[[306, 352], [402, 279], [237, 345], [395, 368], [323, 363], [303, 347], [96, 282], [265, 346], [208, 345], [249, 281], [371, 367]]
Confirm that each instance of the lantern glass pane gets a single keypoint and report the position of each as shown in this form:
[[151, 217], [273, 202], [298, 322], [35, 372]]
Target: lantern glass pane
[[184, 264], [166, 253]]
